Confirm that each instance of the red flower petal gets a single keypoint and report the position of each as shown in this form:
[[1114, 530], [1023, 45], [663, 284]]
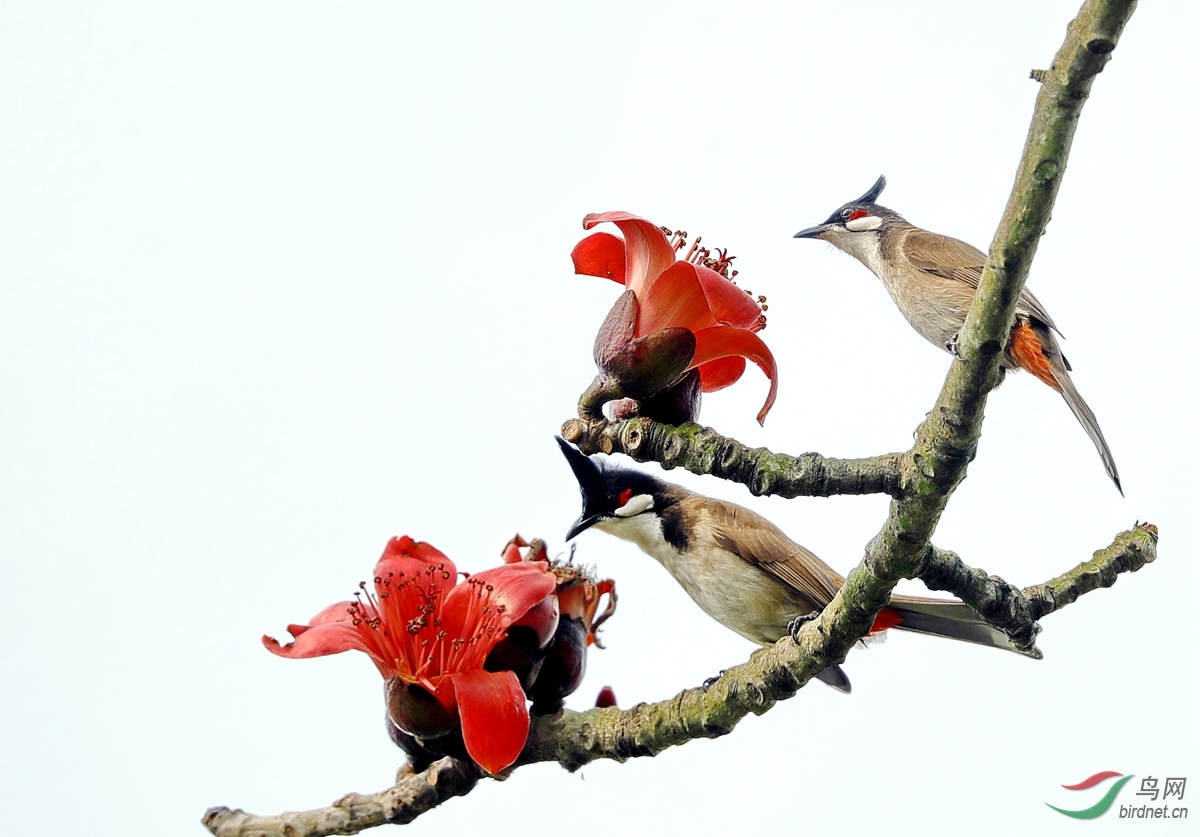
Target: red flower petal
[[718, 374], [726, 341], [514, 587], [543, 619], [495, 720], [404, 556], [600, 254], [329, 632], [647, 251], [407, 547], [675, 299], [729, 304]]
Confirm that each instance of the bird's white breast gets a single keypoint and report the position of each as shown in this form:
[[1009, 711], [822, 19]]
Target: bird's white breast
[[737, 594], [933, 305]]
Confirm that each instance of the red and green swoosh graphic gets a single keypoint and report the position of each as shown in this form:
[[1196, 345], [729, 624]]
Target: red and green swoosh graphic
[[1104, 804]]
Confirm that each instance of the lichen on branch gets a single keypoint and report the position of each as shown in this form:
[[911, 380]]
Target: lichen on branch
[[946, 441], [574, 739], [703, 450], [1130, 552], [412, 795]]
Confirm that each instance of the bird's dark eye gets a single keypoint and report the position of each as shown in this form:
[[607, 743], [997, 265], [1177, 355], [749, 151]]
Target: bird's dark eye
[[846, 212]]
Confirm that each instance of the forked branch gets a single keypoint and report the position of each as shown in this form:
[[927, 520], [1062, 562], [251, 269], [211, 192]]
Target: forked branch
[[772, 674]]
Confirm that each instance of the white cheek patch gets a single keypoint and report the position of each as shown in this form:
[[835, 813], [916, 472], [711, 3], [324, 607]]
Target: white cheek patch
[[636, 505], [867, 222]]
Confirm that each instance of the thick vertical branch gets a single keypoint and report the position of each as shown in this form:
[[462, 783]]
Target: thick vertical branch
[[947, 439]]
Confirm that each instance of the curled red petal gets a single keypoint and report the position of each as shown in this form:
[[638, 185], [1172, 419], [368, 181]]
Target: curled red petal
[[600, 254], [718, 374], [675, 298], [329, 632], [514, 587], [317, 640], [495, 720], [727, 341], [647, 251], [404, 555], [729, 304], [406, 547], [543, 619]]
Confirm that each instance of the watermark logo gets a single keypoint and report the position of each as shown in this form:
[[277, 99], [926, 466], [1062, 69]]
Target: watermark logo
[[1170, 788], [1105, 802]]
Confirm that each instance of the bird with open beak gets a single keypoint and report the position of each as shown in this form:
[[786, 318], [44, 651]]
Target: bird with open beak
[[738, 566]]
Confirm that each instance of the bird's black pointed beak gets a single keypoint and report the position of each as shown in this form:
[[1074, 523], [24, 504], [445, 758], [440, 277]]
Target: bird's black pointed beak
[[585, 522], [591, 486], [813, 232]]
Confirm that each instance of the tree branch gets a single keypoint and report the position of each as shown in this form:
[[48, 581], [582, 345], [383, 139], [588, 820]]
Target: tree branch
[[703, 450], [1015, 612], [1127, 554], [946, 441], [574, 739], [412, 795]]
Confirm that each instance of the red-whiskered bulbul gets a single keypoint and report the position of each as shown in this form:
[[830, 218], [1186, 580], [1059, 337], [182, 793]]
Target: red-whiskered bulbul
[[738, 566], [932, 279]]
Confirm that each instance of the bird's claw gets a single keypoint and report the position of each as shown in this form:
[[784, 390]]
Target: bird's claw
[[712, 680], [796, 624], [952, 347]]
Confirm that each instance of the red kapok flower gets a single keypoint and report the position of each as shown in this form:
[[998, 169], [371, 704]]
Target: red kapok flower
[[676, 314], [564, 660], [433, 634]]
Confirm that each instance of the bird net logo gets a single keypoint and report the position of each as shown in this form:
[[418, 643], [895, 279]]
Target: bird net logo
[[1158, 796]]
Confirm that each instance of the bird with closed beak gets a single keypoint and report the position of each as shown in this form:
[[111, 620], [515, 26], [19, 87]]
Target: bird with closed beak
[[738, 566], [932, 279]]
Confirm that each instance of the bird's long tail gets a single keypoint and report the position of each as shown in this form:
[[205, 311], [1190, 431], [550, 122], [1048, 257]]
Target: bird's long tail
[[953, 620], [1035, 350]]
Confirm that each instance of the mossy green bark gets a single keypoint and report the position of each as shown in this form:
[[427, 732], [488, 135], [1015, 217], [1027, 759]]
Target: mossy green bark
[[703, 450], [947, 439]]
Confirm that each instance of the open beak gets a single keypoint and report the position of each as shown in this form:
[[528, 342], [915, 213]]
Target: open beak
[[813, 232], [585, 522]]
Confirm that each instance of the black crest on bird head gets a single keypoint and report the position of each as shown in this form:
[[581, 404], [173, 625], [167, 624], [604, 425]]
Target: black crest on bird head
[[874, 192], [588, 472]]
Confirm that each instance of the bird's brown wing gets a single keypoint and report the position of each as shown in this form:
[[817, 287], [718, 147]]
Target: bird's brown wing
[[758, 541], [950, 258]]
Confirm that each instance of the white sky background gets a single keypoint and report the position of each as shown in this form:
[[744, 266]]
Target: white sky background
[[281, 280]]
